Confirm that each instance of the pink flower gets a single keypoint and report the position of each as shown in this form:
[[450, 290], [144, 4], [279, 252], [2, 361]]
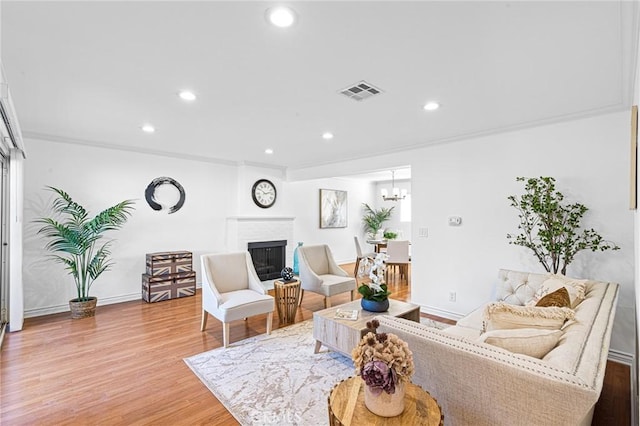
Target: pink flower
[[378, 376]]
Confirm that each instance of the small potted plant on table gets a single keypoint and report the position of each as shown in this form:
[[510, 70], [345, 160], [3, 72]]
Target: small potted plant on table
[[375, 296]]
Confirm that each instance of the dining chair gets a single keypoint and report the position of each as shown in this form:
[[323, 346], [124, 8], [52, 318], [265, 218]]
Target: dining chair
[[319, 273], [360, 255], [398, 257], [231, 290]]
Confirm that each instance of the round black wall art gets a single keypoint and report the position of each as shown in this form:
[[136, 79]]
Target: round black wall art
[[149, 193]]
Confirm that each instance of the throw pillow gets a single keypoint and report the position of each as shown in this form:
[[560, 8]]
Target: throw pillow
[[500, 316], [559, 298], [575, 288], [527, 341]]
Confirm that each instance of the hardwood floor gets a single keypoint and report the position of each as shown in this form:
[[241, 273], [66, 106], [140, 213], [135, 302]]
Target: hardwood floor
[[124, 367]]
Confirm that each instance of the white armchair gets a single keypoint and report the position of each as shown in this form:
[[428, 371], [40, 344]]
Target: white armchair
[[231, 290], [319, 273]]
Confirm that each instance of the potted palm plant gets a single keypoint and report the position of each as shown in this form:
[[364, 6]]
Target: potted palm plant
[[75, 240], [374, 218]]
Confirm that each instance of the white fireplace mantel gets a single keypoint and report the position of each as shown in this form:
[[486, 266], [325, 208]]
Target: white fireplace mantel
[[244, 229]]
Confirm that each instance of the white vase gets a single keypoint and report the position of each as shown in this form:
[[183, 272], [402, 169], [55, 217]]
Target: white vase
[[385, 404]]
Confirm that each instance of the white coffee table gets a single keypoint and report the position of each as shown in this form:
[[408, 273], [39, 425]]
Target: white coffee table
[[343, 335]]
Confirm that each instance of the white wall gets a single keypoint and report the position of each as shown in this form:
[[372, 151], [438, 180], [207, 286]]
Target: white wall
[[394, 223], [473, 178], [304, 197], [98, 178]]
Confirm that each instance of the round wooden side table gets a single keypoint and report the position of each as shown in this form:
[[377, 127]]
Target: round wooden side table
[[346, 407], [287, 295]]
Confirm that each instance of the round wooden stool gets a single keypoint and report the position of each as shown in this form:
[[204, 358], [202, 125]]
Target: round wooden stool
[[346, 407]]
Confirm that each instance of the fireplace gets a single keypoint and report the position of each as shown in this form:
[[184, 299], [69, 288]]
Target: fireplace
[[268, 258]]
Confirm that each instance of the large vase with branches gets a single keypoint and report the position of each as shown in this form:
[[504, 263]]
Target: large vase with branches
[[76, 241], [550, 227]]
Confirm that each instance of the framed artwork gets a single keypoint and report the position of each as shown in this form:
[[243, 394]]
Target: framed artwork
[[633, 170], [333, 208]]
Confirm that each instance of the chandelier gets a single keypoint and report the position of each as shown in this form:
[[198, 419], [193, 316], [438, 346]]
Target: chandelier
[[396, 193]]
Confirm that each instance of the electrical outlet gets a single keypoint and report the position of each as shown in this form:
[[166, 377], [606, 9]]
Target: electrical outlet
[[452, 296]]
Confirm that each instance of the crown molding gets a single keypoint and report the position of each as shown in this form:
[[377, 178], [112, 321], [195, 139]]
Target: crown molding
[[138, 150]]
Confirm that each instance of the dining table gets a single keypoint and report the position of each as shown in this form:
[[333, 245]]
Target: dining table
[[378, 245]]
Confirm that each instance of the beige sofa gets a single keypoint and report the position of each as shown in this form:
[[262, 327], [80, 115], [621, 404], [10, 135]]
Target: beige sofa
[[481, 384]]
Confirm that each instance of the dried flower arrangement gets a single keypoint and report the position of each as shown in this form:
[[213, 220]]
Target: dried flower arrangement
[[382, 360]]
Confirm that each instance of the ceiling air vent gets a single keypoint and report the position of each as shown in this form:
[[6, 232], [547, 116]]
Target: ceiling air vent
[[361, 91]]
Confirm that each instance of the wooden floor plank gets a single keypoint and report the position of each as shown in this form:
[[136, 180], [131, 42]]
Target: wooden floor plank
[[125, 366]]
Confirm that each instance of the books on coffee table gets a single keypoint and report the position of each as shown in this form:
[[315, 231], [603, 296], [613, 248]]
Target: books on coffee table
[[348, 314]]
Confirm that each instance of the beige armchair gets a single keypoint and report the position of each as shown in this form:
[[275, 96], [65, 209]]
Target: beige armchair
[[231, 290], [319, 273]]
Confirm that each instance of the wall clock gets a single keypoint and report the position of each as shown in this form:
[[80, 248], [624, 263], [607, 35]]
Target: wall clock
[[264, 193]]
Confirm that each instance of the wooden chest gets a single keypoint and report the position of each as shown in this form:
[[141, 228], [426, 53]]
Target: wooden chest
[[169, 262], [166, 287]]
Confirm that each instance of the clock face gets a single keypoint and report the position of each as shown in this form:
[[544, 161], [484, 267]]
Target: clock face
[[263, 193]]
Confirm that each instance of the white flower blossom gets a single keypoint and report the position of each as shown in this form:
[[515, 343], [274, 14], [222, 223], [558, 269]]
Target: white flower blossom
[[375, 269]]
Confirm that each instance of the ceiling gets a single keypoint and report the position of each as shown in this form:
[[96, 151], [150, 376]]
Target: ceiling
[[94, 72]]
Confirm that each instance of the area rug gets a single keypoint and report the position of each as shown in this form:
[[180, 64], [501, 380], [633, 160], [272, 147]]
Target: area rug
[[275, 379]]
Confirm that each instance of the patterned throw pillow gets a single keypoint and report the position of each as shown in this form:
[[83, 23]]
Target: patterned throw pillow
[[559, 298], [575, 288], [500, 316]]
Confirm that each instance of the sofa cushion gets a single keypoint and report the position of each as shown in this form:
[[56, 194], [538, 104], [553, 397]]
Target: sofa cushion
[[500, 315], [559, 298], [533, 342], [575, 288], [517, 288]]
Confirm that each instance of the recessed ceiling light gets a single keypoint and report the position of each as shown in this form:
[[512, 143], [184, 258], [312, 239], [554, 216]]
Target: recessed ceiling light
[[148, 128], [268, 151], [281, 16], [431, 106], [187, 96], [327, 136]]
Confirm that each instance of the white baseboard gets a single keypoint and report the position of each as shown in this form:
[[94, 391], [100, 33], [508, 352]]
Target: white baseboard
[[621, 357], [47, 310], [37, 312], [440, 312]]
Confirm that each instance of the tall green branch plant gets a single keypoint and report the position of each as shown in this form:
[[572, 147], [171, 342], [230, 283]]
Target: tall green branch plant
[[75, 238], [551, 228], [373, 219]]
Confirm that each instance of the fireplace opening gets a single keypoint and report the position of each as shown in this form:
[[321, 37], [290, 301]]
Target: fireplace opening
[[268, 258]]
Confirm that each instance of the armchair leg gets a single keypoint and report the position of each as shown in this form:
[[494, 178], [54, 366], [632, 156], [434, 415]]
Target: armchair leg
[[327, 302], [225, 334], [203, 323], [269, 321], [353, 294]]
